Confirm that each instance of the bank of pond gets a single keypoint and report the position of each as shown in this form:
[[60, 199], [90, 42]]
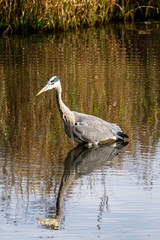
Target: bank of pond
[[55, 15]]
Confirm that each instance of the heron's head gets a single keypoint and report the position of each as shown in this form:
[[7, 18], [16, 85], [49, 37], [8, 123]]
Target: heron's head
[[52, 82]]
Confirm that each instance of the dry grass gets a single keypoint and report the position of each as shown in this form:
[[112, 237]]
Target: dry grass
[[41, 15]]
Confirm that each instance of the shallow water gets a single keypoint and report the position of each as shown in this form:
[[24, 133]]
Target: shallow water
[[46, 182]]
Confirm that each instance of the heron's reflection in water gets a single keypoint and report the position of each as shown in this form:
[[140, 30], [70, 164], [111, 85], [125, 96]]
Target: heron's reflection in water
[[81, 161]]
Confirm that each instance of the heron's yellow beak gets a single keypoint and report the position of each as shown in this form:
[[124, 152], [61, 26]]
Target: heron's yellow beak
[[42, 90]]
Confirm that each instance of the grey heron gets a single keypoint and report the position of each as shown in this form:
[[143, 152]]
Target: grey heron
[[80, 127]]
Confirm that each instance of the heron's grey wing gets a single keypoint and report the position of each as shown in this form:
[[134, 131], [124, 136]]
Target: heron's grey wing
[[94, 131]]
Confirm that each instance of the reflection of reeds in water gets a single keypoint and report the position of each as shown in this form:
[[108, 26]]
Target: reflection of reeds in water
[[102, 73]]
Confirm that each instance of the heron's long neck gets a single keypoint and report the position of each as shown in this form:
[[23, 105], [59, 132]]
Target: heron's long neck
[[66, 114], [61, 106]]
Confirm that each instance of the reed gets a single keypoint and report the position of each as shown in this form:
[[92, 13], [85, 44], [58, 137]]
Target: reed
[[42, 15]]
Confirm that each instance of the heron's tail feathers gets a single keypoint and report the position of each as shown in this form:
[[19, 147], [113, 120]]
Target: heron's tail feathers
[[121, 135]]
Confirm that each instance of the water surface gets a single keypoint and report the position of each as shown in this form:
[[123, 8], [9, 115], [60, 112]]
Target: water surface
[[46, 182]]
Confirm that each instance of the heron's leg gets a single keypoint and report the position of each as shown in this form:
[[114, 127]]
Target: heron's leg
[[95, 144], [89, 145]]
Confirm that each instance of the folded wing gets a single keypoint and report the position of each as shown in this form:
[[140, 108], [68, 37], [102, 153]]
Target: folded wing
[[89, 128]]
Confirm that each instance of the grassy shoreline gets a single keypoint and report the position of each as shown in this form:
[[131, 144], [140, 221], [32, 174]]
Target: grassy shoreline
[[53, 15]]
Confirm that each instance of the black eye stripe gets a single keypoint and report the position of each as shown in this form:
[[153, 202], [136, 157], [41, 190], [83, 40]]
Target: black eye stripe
[[55, 79]]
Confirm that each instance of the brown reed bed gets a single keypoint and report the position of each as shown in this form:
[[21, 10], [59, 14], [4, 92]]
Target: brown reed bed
[[49, 15]]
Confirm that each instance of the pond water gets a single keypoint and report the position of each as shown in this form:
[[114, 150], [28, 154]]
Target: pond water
[[49, 187]]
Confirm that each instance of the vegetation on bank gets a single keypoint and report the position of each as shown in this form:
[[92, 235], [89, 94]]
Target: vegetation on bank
[[44, 15]]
